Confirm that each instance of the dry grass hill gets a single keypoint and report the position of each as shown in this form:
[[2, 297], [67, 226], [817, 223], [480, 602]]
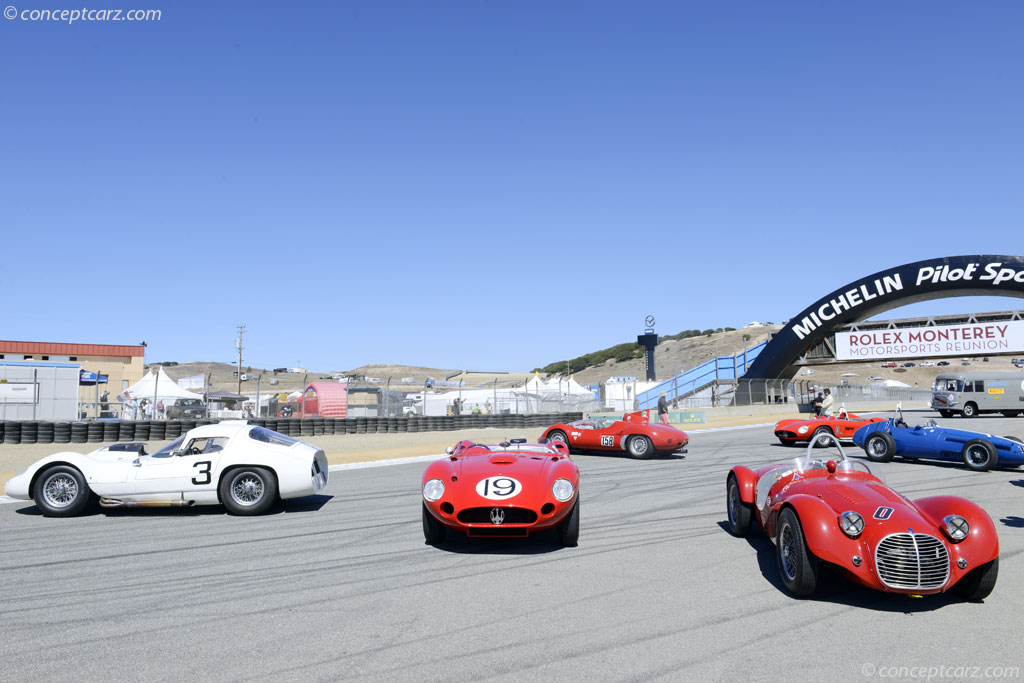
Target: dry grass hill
[[671, 358]]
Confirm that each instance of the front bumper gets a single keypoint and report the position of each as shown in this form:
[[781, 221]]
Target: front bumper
[[545, 518]]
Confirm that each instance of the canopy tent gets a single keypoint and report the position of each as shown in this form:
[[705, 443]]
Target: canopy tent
[[159, 387], [536, 386]]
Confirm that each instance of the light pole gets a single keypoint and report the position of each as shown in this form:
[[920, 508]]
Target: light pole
[[238, 343]]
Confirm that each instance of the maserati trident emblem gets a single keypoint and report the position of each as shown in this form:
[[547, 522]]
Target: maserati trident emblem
[[497, 516]]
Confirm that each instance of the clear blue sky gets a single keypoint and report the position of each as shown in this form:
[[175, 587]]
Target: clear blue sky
[[491, 184]]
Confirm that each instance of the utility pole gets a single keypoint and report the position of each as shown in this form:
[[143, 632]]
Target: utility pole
[[238, 343]]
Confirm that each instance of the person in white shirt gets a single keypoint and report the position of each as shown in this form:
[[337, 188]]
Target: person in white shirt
[[827, 408]]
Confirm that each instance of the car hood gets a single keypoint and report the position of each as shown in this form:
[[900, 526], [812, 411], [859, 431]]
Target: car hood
[[528, 466], [881, 507]]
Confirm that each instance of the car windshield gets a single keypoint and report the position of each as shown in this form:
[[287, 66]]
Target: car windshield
[[189, 402], [949, 385], [818, 458], [522, 448], [805, 465], [169, 449]]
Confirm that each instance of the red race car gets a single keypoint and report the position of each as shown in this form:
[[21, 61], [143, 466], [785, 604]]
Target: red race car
[[633, 434], [791, 432], [838, 513], [508, 489]]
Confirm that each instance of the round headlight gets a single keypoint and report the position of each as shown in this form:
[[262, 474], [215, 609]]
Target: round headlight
[[433, 490], [562, 490], [803, 429], [852, 523], [957, 527]]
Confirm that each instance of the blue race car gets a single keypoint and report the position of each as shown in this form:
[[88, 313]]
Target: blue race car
[[882, 441]]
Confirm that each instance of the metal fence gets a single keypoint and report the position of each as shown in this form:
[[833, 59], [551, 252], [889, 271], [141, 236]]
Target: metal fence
[[498, 397], [749, 392]]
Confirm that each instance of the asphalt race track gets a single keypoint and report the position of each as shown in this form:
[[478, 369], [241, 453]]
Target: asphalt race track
[[342, 587]]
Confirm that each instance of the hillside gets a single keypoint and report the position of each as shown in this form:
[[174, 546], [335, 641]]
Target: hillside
[[672, 357]]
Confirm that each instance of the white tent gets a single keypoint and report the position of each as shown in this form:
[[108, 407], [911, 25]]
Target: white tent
[[893, 383], [158, 386], [536, 386], [574, 388]]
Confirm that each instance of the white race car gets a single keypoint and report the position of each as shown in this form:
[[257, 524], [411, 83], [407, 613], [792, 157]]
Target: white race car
[[243, 466]]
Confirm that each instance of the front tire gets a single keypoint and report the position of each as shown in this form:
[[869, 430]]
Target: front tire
[[248, 490], [978, 584], [739, 512], [946, 413], [433, 531], [797, 566], [979, 455], [970, 410], [61, 491], [817, 434], [880, 447], [640, 447], [569, 528]]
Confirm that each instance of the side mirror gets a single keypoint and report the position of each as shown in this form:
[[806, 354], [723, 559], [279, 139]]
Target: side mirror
[[449, 450], [136, 463]]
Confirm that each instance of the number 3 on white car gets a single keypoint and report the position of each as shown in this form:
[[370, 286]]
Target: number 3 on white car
[[244, 467]]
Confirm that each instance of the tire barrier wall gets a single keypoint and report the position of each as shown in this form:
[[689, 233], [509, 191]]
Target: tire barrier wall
[[32, 431]]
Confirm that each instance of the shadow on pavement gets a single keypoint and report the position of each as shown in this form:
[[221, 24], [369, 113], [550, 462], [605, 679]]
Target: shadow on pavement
[[537, 543], [833, 587], [306, 504]]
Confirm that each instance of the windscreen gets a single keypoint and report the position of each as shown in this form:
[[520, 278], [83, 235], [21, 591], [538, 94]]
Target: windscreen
[[167, 450]]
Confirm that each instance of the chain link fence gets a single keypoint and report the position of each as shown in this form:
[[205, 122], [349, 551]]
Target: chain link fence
[[751, 392]]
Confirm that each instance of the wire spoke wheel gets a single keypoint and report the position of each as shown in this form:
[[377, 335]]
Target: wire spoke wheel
[[247, 488], [734, 503], [978, 455], [787, 550], [60, 490]]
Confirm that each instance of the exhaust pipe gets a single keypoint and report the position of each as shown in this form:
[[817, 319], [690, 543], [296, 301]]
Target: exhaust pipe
[[116, 503]]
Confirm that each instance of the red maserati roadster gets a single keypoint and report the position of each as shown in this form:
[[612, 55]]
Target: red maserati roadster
[[792, 432], [838, 513], [512, 488], [633, 434]]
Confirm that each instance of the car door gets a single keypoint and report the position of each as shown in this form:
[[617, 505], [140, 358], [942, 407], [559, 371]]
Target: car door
[[606, 438], [190, 468], [845, 428]]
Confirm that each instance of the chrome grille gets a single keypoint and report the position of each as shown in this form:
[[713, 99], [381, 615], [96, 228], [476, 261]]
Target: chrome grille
[[912, 561], [483, 516]]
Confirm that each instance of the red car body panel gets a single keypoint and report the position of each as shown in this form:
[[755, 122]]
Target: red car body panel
[[589, 435], [841, 426], [820, 497], [533, 468]]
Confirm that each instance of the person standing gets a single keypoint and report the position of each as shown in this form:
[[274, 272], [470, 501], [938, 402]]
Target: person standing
[[663, 409], [826, 404], [104, 404]]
